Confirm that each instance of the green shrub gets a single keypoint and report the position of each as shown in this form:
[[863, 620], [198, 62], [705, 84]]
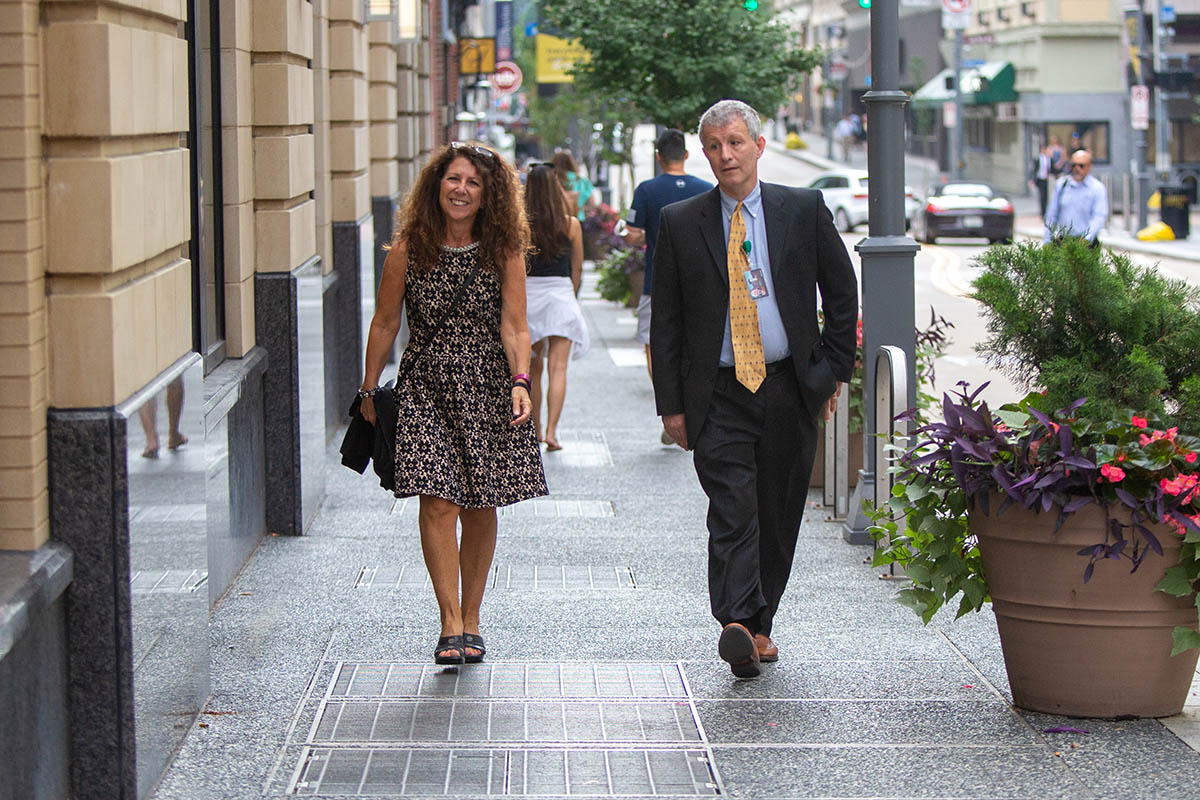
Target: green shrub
[[1082, 322]]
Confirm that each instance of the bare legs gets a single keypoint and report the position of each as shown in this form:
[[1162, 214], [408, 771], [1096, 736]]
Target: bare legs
[[556, 350], [535, 385], [148, 414], [446, 560]]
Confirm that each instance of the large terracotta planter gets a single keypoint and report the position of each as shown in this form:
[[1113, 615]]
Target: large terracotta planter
[[1100, 649]]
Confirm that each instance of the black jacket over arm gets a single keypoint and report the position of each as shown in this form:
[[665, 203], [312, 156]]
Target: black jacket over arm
[[691, 298]]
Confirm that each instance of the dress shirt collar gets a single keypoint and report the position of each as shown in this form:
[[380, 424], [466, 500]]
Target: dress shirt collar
[[752, 204]]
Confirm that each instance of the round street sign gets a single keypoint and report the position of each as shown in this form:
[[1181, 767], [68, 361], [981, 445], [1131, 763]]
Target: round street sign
[[957, 6], [507, 77]]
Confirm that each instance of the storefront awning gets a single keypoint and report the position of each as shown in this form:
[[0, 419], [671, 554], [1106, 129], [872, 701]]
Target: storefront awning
[[983, 85]]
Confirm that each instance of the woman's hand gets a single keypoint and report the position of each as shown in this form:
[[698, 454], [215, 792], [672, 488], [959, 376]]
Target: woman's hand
[[521, 404], [367, 409]]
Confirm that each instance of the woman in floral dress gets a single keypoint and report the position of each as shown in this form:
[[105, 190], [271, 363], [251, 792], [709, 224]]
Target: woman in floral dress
[[464, 440]]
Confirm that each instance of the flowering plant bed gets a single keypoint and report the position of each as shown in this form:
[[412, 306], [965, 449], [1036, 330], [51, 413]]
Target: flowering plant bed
[[1144, 477]]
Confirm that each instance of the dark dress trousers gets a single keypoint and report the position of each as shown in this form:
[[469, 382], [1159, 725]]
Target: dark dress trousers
[[753, 452]]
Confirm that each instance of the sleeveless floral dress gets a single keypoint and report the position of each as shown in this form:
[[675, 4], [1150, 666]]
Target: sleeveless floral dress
[[453, 437]]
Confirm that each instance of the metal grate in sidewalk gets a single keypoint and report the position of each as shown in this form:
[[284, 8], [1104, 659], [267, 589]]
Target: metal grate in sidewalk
[[454, 772], [509, 721], [367, 680], [501, 729]]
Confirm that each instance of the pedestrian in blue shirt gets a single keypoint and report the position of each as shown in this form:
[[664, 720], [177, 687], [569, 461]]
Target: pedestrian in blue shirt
[[1079, 205], [649, 199]]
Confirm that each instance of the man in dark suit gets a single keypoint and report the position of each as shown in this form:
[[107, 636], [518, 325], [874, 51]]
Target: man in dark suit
[[742, 369]]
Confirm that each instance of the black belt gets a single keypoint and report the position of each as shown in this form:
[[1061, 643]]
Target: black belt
[[782, 365]]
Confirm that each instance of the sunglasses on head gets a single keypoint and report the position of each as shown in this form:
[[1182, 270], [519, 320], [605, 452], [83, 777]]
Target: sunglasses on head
[[483, 151], [540, 164]]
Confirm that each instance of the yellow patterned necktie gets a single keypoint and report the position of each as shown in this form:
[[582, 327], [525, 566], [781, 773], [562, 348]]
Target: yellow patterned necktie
[[743, 311]]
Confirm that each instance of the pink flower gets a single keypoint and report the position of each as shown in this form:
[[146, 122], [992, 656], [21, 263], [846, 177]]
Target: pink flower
[[1138, 422], [1190, 458], [1144, 440], [1114, 474], [1178, 485], [1121, 456]]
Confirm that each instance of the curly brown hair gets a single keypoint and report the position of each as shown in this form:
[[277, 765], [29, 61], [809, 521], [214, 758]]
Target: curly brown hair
[[548, 211], [500, 226]]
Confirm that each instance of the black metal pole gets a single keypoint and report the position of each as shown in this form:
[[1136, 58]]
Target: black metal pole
[[887, 253]]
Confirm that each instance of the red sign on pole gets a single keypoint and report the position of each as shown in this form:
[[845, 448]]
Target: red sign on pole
[[957, 6], [507, 77]]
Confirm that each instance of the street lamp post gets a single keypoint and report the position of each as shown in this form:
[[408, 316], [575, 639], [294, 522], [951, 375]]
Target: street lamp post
[[887, 253]]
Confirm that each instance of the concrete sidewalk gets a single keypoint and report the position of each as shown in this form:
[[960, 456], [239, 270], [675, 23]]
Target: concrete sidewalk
[[602, 676], [921, 172]]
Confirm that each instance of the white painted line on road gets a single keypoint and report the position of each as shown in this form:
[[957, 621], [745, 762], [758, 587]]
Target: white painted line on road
[[945, 275]]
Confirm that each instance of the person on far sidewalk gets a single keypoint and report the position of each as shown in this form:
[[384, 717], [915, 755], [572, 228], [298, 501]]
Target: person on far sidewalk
[[1079, 205], [742, 368], [1043, 168], [556, 325], [649, 199], [845, 133]]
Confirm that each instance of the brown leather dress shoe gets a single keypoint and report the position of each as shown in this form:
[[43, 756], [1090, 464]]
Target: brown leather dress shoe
[[767, 651], [736, 646]]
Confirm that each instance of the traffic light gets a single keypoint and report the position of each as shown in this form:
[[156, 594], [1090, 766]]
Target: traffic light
[[750, 5], [864, 3]]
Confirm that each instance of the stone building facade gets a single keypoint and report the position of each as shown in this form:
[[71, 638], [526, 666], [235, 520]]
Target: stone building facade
[[193, 199]]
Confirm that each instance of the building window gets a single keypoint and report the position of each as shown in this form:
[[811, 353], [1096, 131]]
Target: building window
[[207, 250], [978, 132], [1090, 136]]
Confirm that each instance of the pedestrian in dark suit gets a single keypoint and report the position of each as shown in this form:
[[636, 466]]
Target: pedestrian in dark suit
[[742, 369]]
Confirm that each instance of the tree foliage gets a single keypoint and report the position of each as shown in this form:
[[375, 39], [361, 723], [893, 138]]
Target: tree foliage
[[672, 59]]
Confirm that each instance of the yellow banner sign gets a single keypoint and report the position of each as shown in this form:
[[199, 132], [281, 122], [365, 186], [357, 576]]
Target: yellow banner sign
[[476, 55], [555, 57]]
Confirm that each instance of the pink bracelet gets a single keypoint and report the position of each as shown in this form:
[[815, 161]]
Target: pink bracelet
[[520, 376]]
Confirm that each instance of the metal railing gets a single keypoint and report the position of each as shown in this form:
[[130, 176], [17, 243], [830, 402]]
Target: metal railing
[[891, 397], [836, 492]]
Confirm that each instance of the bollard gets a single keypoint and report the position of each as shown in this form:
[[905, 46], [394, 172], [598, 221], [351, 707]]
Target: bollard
[[829, 466], [891, 395], [836, 491], [841, 506]]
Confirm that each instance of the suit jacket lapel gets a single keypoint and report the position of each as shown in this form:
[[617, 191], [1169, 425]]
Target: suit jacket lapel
[[777, 221], [712, 230]]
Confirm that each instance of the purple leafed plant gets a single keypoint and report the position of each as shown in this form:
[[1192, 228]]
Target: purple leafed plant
[[1049, 461]]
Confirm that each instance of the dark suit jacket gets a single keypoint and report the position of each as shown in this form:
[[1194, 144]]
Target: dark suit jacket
[[691, 298], [364, 442]]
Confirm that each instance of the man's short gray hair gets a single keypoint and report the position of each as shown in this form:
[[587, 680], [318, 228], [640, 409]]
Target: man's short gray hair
[[724, 112]]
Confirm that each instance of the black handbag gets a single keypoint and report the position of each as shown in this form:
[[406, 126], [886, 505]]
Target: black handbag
[[365, 442]]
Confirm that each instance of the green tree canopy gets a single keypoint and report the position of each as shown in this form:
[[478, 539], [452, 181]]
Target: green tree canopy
[[672, 59]]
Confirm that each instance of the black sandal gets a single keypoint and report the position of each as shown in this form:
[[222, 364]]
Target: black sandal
[[475, 642], [449, 644]]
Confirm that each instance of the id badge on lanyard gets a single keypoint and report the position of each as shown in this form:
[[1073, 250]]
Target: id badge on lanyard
[[756, 279]]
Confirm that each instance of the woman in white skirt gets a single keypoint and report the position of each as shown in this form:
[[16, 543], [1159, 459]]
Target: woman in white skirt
[[555, 268]]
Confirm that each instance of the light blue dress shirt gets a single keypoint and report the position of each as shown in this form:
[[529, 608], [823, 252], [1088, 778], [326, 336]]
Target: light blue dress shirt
[[1077, 208], [770, 326]]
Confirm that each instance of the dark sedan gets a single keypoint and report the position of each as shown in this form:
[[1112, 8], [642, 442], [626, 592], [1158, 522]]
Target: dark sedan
[[967, 209]]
